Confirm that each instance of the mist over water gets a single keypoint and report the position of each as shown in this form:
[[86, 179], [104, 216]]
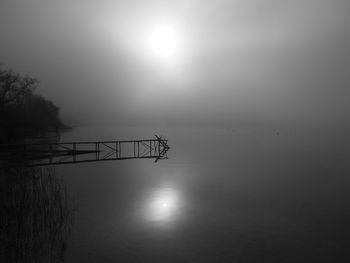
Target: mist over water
[[223, 195], [252, 95]]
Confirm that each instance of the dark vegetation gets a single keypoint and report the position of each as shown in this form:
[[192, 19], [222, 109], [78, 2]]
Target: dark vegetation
[[22, 113], [36, 215]]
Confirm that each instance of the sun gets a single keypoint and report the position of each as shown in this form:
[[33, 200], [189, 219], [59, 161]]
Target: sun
[[164, 42]]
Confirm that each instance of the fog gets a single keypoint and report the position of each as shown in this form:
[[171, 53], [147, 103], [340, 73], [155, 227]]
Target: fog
[[237, 62], [252, 98]]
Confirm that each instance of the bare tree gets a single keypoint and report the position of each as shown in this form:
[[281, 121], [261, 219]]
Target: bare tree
[[14, 88]]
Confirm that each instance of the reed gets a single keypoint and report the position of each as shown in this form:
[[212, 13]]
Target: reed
[[36, 215]]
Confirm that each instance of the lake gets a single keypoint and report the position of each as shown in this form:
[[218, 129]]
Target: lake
[[224, 195]]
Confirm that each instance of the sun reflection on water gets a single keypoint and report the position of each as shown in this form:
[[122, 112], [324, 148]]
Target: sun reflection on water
[[163, 205]]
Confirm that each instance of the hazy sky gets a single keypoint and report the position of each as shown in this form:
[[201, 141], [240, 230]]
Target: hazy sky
[[233, 60]]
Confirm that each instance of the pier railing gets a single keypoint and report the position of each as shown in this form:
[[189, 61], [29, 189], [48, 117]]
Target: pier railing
[[41, 154]]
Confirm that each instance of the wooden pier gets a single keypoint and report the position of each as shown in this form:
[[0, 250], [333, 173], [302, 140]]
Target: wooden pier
[[42, 154]]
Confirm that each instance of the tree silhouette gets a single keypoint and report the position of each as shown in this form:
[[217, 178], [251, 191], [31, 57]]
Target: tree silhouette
[[22, 113], [14, 88]]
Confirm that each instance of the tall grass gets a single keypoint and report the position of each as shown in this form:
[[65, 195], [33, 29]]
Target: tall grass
[[36, 215]]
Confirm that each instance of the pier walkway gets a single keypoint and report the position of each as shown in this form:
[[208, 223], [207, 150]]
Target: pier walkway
[[78, 152]]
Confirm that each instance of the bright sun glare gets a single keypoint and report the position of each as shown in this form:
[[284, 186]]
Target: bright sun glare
[[164, 42], [162, 205]]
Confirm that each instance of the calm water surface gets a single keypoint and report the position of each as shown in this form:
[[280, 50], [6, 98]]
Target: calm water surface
[[257, 195]]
